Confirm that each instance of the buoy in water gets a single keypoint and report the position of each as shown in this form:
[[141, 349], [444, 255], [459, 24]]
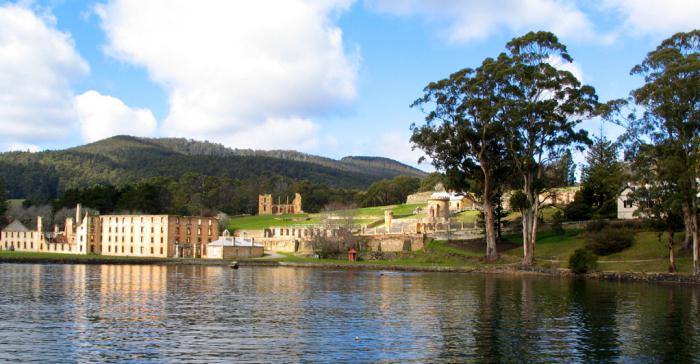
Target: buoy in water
[[234, 265]]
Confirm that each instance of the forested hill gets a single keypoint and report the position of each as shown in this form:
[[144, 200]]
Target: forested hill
[[124, 159]]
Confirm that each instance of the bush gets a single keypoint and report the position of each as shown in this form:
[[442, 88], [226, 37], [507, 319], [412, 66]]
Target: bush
[[610, 240], [596, 225], [582, 261], [556, 224], [577, 211]]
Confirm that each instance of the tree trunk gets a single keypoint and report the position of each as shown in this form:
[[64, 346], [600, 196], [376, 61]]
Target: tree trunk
[[530, 222], [487, 205], [696, 248], [687, 222], [671, 253]]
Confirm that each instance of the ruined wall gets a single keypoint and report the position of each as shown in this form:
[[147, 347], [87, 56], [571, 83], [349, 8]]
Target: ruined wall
[[395, 243]]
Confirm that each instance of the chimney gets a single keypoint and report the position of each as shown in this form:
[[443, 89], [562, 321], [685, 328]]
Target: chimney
[[77, 215], [39, 225], [55, 228]]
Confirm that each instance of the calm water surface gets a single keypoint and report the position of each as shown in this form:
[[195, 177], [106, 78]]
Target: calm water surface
[[76, 313]]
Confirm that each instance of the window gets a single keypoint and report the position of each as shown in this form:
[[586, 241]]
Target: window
[[151, 240], [161, 251], [151, 250], [628, 204], [152, 231], [131, 250], [199, 231]]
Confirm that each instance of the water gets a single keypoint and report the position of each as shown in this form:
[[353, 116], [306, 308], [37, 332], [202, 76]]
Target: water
[[76, 313]]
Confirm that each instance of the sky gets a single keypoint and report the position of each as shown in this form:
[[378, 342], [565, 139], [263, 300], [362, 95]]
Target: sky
[[327, 77]]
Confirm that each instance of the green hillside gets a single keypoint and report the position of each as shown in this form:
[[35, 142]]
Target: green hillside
[[124, 159]]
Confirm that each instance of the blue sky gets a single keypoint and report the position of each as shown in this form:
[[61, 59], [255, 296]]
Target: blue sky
[[333, 78]]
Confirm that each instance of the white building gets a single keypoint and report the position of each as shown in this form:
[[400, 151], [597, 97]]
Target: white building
[[230, 247], [625, 206]]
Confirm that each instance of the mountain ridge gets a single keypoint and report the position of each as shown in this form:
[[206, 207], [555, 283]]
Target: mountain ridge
[[126, 159]]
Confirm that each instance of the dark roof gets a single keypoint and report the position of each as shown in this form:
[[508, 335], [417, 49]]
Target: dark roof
[[16, 226]]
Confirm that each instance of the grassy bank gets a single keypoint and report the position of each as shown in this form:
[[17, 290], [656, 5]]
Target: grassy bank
[[646, 255], [31, 257]]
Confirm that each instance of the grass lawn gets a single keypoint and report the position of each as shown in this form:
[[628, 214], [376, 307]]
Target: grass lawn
[[265, 221], [58, 257]]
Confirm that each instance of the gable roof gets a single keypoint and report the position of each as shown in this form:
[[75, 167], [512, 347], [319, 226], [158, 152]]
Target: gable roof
[[16, 226]]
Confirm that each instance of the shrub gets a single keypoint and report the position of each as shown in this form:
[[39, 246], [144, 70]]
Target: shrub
[[596, 225], [609, 240], [582, 261], [556, 224], [577, 211]]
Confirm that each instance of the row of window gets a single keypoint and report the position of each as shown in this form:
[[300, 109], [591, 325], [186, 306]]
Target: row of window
[[20, 234], [131, 250]]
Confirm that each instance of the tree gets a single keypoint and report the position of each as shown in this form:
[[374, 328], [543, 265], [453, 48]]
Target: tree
[[660, 194], [545, 105], [561, 171], [428, 183], [670, 99], [602, 178], [3, 205], [463, 134]]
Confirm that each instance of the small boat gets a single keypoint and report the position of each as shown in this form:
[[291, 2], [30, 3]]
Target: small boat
[[234, 265]]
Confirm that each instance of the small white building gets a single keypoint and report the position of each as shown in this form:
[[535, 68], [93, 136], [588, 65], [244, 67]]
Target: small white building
[[625, 206], [230, 247]]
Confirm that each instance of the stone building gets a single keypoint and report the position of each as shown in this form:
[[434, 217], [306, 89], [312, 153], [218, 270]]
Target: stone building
[[266, 205], [118, 235]]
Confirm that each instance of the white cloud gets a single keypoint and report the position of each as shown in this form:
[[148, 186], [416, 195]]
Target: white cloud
[[654, 17], [573, 67], [470, 20], [241, 73], [22, 147], [37, 65], [104, 116], [397, 146]]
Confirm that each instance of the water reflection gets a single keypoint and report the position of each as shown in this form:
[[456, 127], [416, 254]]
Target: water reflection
[[59, 313]]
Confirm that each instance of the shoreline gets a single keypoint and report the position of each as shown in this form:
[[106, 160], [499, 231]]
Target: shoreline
[[515, 271]]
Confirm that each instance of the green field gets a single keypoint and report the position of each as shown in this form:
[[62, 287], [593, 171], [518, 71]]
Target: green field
[[10, 256], [361, 216], [265, 221], [646, 254]]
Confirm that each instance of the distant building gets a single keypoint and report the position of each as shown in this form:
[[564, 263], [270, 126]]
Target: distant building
[[118, 235], [230, 247], [266, 205], [625, 205]]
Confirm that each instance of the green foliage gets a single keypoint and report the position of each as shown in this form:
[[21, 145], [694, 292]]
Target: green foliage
[[389, 191], [582, 261], [609, 240], [556, 223], [561, 172], [428, 183], [125, 160], [602, 179], [578, 209], [3, 205], [596, 225], [195, 194]]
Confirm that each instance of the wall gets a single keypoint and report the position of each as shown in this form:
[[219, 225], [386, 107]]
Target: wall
[[395, 243]]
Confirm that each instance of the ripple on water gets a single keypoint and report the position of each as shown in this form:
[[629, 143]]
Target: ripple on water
[[64, 313]]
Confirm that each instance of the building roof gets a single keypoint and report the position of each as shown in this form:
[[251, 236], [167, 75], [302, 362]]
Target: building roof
[[16, 226], [452, 196], [233, 241]]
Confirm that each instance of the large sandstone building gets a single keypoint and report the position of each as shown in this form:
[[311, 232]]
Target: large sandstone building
[[266, 205], [118, 235]]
